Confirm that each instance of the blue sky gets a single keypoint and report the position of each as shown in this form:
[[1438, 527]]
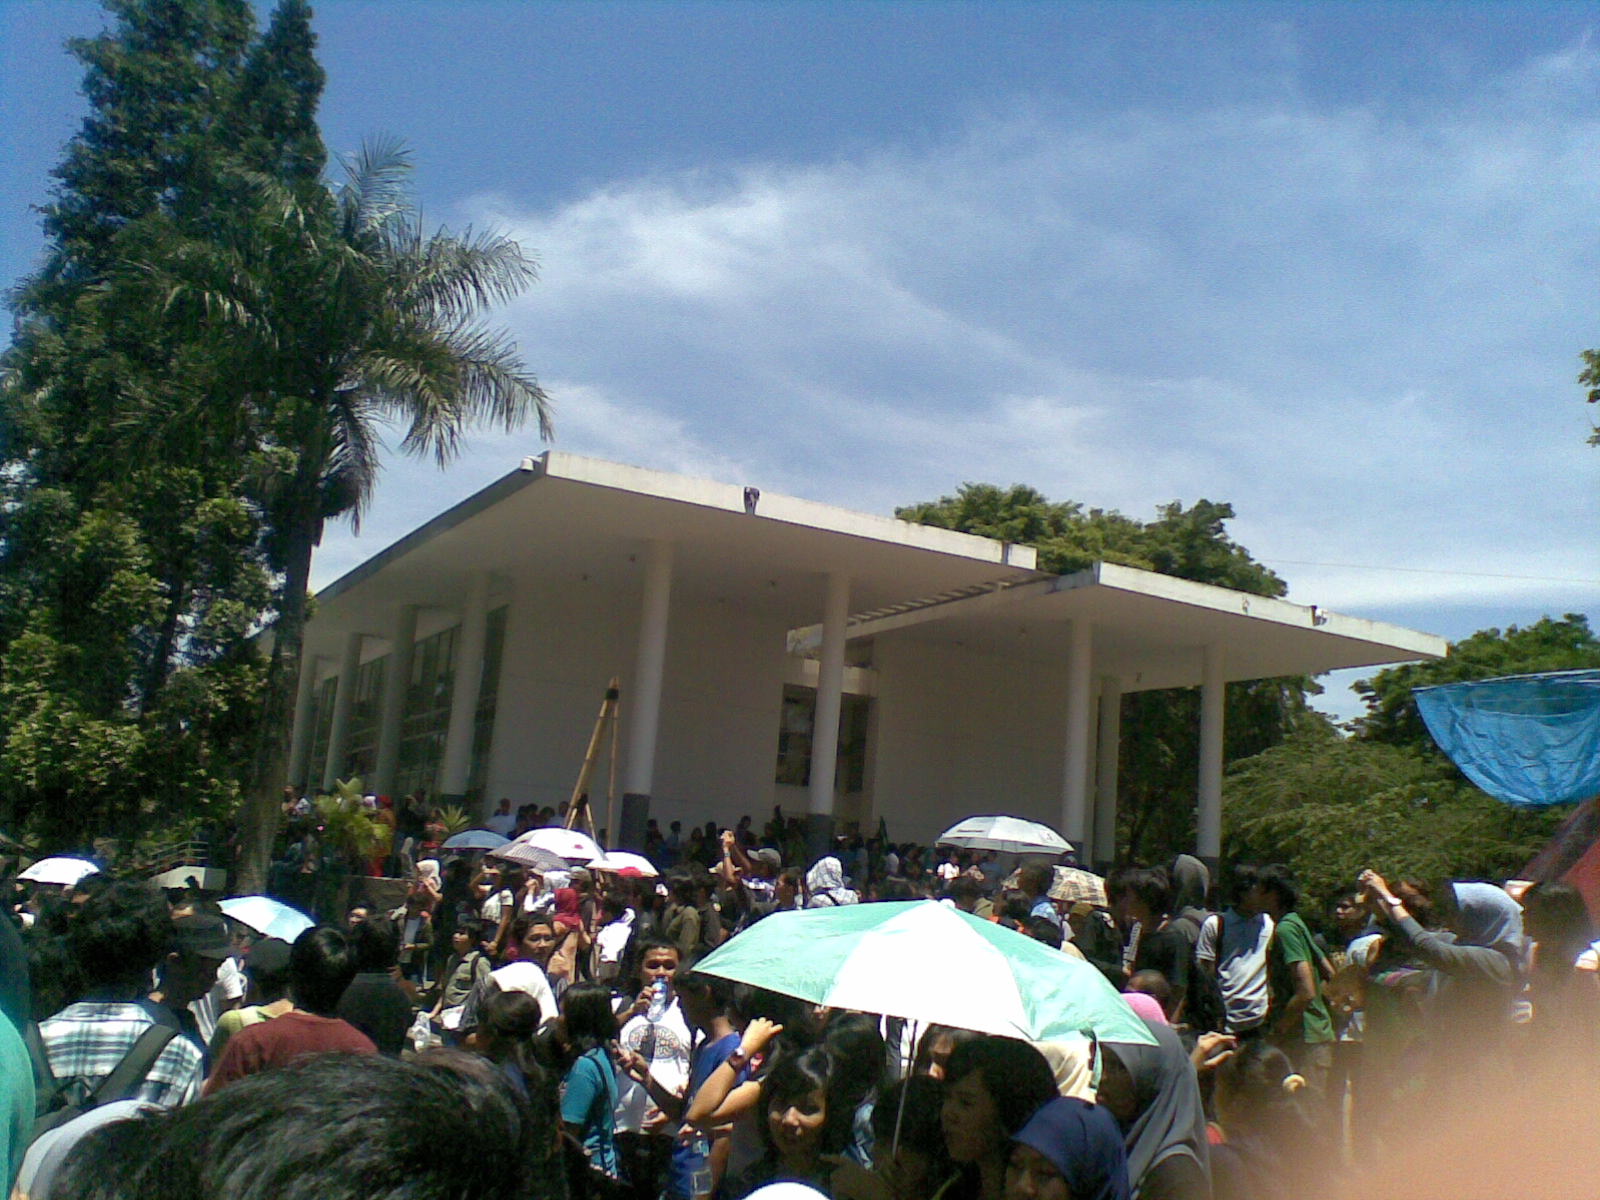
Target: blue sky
[[1333, 263]]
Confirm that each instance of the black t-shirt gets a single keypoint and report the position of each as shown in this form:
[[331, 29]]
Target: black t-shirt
[[1168, 951], [375, 1004]]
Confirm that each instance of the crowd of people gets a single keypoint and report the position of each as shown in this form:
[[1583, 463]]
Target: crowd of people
[[548, 1035]]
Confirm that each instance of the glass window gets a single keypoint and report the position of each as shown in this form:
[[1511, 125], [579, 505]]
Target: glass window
[[797, 730]]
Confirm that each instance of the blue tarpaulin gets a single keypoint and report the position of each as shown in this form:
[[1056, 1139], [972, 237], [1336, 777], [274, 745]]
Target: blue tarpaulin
[[1530, 740]]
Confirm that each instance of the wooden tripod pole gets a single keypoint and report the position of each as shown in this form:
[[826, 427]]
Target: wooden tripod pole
[[611, 784], [580, 790]]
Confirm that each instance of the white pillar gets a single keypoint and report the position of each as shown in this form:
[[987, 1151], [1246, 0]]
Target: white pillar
[[343, 697], [396, 682], [830, 696], [456, 768], [1105, 784], [1208, 840], [305, 703], [642, 696], [1075, 780]]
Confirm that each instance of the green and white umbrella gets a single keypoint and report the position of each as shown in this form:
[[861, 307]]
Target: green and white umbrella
[[925, 961]]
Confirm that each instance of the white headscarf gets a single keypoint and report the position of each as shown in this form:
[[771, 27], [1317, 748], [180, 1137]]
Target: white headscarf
[[825, 885]]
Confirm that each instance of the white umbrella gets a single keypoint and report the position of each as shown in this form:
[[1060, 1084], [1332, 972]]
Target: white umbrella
[[268, 917], [927, 962], [540, 860], [622, 860], [569, 844], [63, 870], [1008, 835]]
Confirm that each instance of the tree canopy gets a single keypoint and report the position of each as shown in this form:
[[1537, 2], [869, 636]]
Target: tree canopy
[[1157, 777], [199, 377]]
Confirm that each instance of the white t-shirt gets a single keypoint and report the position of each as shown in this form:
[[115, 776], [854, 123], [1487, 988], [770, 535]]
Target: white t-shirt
[[1242, 965], [664, 1045], [491, 908]]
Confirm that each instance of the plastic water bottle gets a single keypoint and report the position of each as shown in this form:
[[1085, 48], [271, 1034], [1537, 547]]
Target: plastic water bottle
[[658, 1002], [700, 1175]]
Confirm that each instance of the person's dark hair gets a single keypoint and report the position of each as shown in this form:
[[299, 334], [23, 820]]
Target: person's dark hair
[[272, 981], [1152, 983], [1279, 880], [526, 921], [118, 936], [935, 1033], [587, 1017], [1555, 915], [374, 944], [686, 978], [321, 966], [860, 1063], [1243, 878], [1034, 878], [964, 890], [1043, 929], [1016, 1076], [916, 1120], [507, 1023], [1151, 886], [612, 906], [1015, 912], [334, 1126], [797, 1076]]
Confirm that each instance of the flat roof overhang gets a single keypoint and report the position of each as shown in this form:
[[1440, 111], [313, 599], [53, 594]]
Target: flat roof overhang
[[562, 516], [566, 516]]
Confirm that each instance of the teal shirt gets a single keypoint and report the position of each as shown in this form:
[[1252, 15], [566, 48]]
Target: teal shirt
[[16, 1122], [589, 1101]]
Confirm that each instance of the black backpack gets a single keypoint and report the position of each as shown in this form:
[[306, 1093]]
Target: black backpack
[[57, 1102], [1204, 1010]]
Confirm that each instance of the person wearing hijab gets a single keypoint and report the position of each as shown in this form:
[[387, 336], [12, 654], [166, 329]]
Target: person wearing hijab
[[1071, 1060], [1068, 1150], [1477, 975], [825, 885], [1154, 1094], [571, 939]]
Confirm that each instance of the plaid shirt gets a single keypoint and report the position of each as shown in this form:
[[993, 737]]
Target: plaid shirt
[[85, 1042]]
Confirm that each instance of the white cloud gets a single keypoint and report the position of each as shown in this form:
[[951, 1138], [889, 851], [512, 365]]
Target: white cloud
[[1362, 329]]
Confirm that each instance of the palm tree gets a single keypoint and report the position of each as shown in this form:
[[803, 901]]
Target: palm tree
[[343, 317]]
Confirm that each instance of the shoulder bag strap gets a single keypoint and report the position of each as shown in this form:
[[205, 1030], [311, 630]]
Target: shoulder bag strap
[[135, 1065]]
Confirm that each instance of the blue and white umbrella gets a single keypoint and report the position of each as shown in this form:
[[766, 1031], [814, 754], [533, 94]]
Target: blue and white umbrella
[[475, 839], [268, 917]]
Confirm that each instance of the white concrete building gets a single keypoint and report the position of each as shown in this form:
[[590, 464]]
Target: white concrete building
[[470, 659]]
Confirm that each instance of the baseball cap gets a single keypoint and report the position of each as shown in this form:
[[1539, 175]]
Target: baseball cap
[[203, 935]]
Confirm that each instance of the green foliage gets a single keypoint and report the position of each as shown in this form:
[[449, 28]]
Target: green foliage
[[1329, 806], [1191, 543], [1547, 645], [131, 565], [1590, 379], [348, 826], [1160, 730], [455, 819]]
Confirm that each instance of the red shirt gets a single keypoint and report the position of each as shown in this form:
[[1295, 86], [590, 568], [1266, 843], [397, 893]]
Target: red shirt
[[280, 1041]]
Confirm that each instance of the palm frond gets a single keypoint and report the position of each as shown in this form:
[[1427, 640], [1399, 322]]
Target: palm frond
[[376, 190], [449, 278]]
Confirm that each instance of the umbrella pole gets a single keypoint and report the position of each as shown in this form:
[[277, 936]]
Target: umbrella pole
[[905, 1086]]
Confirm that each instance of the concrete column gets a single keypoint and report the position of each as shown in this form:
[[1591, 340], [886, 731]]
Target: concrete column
[[1208, 840], [343, 697], [830, 702], [305, 704], [396, 681], [643, 698], [1105, 783], [456, 768], [1075, 780]]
